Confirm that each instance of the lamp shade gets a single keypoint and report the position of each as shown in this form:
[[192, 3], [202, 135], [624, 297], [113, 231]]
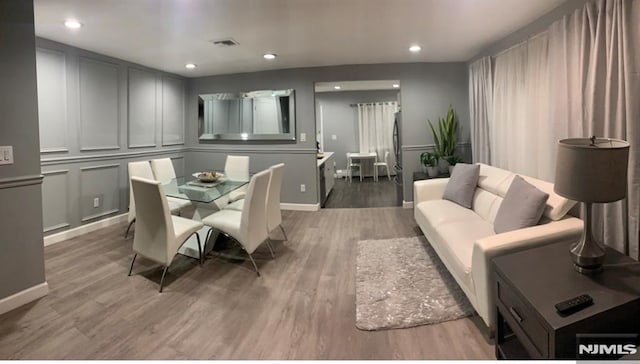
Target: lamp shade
[[592, 169]]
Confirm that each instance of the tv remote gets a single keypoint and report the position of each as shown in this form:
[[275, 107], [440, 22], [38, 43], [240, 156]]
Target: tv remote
[[574, 304]]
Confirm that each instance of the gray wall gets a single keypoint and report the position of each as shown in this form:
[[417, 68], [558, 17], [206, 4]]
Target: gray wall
[[341, 119], [98, 113], [427, 89], [21, 250]]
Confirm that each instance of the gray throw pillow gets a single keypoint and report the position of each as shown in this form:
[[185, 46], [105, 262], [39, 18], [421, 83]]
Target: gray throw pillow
[[462, 184], [522, 206]]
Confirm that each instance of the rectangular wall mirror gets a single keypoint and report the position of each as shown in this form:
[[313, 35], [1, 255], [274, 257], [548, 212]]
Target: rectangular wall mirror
[[255, 115]]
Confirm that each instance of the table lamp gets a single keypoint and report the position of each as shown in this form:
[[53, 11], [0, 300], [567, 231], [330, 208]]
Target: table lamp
[[591, 170]]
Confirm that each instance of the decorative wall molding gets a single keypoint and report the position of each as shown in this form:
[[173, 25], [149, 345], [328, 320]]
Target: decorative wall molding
[[45, 112], [137, 89], [97, 216], [86, 189], [300, 206], [23, 297], [55, 227], [60, 224], [107, 156], [84, 229], [11, 182], [84, 64], [54, 150]]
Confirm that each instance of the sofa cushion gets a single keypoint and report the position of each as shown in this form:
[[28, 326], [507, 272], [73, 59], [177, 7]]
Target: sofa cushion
[[522, 207], [439, 212], [462, 184], [452, 230], [498, 181]]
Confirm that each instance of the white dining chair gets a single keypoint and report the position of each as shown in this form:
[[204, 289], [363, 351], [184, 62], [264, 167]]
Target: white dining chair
[[164, 172], [158, 234], [249, 226], [274, 213], [385, 164], [236, 168], [143, 169], [351, 165]]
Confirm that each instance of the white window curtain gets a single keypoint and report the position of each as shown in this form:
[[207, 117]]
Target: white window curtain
[[375, 131], [520, 138], [596, 65], [480, 109], [579, 78]]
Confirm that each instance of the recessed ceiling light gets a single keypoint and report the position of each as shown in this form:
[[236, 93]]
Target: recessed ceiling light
[[337, 87], [415, 48], [269, 56], [395, 85], [190, 66], [72, 24]]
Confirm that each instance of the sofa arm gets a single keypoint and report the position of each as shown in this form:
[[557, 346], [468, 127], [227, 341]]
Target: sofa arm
[[513, 241], [429, 189]]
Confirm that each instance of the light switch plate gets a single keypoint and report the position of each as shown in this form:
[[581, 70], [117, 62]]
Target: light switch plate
[[6, 155], [334, 137], [303, 137]]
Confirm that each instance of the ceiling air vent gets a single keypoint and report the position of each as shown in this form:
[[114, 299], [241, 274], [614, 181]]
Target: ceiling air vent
[[229, 42]]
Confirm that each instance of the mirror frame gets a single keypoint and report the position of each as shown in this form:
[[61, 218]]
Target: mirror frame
[[290, 136]]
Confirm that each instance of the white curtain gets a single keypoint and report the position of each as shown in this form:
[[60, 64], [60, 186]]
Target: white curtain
[[596, 65], [375, 131], [480, 108], [579, 78], [520, 138]]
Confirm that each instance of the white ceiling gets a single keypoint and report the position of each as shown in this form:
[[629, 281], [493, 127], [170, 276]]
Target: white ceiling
[[167, 34]]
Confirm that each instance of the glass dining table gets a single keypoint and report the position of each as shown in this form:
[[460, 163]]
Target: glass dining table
[[207, 198], [191, 188]]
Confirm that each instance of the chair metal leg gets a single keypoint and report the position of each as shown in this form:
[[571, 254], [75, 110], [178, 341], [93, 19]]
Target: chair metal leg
[[132, 261], [128, 228], [206, 240], [388, 172], [254, 264], [164, 272], [199, 248], [284, 233], [273, 255]]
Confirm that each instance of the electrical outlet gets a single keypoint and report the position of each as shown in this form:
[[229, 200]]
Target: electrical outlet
[[96, 202], [303, 137], [334, 137], [303, 188], [6, 155]]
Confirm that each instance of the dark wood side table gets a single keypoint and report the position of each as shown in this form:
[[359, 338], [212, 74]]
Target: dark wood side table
[[529, 283]]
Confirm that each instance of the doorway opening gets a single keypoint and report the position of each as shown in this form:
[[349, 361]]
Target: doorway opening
[[358, 139]]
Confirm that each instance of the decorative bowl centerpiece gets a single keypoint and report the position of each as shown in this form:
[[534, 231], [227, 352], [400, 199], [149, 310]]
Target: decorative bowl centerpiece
[[209, 176]]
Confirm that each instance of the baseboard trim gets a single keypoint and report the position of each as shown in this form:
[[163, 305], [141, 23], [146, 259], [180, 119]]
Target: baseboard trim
[[407, 204], [23, 297], [84, 229], [300, 206]]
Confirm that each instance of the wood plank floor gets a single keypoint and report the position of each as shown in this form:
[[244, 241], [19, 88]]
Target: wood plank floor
[[303, 306], [384, 193]]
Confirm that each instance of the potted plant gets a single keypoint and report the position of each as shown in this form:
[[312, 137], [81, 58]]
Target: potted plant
[[446, 138], [430, 162], [453, 160]]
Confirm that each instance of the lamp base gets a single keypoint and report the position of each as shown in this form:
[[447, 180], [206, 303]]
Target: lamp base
[[587, 257]]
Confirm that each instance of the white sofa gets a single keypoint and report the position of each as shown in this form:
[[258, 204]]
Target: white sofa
[[465, 241]]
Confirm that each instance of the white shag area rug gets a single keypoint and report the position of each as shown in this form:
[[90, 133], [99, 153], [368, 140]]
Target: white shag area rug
[[402, 283]]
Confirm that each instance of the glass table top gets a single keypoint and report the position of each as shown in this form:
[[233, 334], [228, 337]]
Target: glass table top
[[190, 188]]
